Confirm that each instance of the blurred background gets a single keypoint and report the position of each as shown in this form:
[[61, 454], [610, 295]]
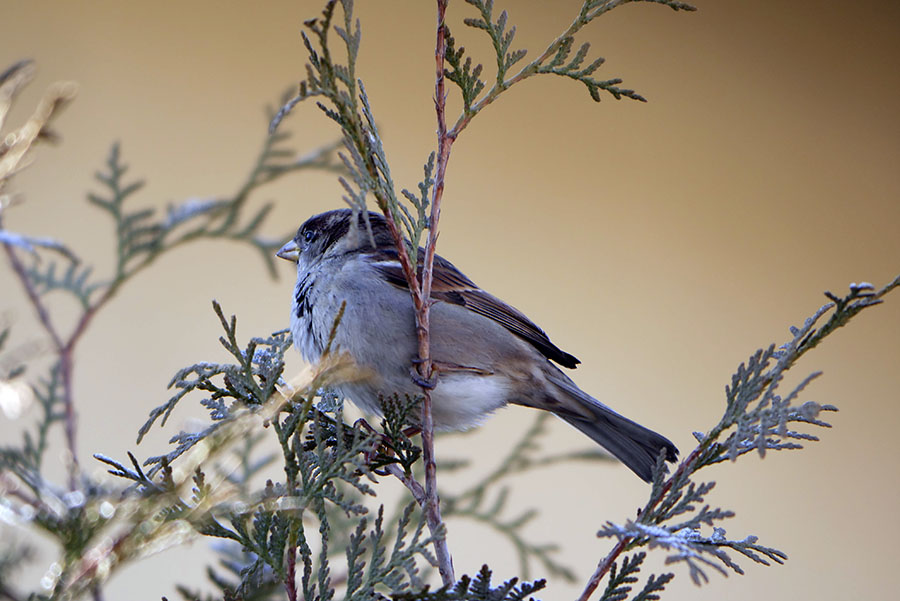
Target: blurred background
[[660, 243]]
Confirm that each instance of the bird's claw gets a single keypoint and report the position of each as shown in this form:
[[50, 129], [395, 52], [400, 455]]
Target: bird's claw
[[380, 444], [364, 425], [427, 383]]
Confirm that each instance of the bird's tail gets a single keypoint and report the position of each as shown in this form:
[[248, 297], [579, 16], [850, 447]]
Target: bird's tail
[[633, 444]]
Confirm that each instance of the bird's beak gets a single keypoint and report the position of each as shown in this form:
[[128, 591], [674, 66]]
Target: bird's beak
[[289, 251]]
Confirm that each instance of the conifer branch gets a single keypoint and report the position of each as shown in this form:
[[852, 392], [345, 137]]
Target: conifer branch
[[432, 507], [15, 150], [140, 237], [314, 533], [756, 418], [550, 61]]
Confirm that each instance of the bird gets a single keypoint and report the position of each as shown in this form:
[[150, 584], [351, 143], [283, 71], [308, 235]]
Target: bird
[[486, 354]]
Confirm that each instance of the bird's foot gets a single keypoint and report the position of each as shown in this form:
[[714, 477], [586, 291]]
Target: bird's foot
[[439, 367], [382, 446], [379, 441], [418, 380]]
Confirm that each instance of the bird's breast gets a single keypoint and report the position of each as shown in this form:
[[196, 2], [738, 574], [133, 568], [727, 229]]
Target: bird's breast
[[304, 319]]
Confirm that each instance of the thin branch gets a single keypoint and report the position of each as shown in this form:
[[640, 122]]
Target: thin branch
[[420, 291], [607, 562], [33, 297], [432, 506], [409, 482], [65, 350], [14, 160]]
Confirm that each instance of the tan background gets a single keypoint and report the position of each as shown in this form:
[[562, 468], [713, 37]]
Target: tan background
[[659, 243]]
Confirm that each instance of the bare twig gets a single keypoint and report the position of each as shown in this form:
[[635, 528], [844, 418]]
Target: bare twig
[[16, 148], [409, 482], [65, 349], [33, 298], [420, 290], [432, 506]]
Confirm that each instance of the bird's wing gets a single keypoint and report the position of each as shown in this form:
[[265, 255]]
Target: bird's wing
[[452, 286]]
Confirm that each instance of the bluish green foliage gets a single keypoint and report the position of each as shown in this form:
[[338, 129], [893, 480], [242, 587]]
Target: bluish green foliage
[[479, 589], [620, 581], [325, 477], [315, 530], [757, 418], [82, 516]]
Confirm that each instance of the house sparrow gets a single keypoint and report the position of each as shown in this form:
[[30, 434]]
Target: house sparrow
[[486, 353]]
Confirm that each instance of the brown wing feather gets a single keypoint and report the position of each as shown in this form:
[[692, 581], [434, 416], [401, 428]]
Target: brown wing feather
[[452, 286]]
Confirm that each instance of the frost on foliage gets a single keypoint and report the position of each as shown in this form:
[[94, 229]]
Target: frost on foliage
[[759, 418], [694, 548]]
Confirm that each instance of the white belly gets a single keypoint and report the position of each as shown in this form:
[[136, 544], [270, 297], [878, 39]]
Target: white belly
[[462, 401], [459, 401]]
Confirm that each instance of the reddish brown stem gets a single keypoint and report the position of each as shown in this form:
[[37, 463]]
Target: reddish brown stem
[[420, 290], [43, 314], [432, 507], [65, 368], [427, 498], [64, 353], [65, 350], [290, 581], [409, 482], [606, 563], [88, 316]]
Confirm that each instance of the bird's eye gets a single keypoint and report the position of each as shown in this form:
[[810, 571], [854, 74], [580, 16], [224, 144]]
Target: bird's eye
[[309, 236]]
